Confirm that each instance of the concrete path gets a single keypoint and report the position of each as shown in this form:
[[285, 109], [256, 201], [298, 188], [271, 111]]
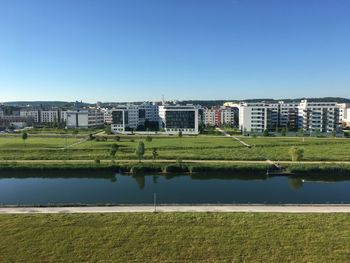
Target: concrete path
[[181, 208], [171, 161]]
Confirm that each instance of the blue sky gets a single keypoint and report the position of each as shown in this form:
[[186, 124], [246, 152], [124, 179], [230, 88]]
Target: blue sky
[[182, 49]]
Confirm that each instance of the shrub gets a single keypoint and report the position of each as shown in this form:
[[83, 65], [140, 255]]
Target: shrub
[[296, 153], [266, 133], [176, 168]]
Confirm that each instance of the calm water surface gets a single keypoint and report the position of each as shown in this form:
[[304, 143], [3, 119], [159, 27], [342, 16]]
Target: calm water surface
[[109, 188]]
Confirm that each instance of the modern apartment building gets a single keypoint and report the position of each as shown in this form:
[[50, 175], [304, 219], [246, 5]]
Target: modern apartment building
[[90, 118], [346, 119], [35, 114], [217, 116], [120, 120], [132, 117], [343, 112], [175, 118], [107, 116], [318, 116], [310, 116], [43, 116], [49, 116]]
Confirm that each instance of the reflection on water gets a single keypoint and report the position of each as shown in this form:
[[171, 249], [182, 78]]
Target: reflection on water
[[295, 183], [102, 187]]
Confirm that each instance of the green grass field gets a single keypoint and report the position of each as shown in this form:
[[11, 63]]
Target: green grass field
[[199, 147], [175, 237]]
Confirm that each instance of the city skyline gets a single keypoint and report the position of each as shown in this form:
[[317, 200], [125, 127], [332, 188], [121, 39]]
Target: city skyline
[[137, 50]]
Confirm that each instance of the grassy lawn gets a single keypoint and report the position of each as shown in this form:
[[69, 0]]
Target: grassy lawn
[[175, 237], [200, 147]]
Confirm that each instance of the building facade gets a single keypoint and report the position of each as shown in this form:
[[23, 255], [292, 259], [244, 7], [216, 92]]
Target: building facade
[[82, 119], [318, 116], [309, 116], [217, 116], [173, 119]]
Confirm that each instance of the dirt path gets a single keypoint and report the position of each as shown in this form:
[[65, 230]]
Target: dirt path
[[174, 161], [234, 137]]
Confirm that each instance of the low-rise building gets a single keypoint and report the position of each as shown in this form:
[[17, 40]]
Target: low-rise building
[[15, 121], [80, 119]]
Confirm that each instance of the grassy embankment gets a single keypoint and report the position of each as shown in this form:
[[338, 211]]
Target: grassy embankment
[[175, 148], [164, 237]]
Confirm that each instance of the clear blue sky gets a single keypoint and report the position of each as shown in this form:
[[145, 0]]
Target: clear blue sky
[[182, 49]]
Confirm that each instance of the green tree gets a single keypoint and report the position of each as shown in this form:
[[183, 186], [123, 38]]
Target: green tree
[[301, 132], [114, 149], [296, 153], [140, 150], [317, 132], [334, 133], [108, 129], [266, 133], [284, 132], [24, 137], [154, 153], [180, 133], [117, 138], [75, 132]]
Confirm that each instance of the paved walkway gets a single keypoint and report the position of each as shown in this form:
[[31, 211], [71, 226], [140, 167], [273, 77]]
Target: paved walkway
[[181, 208]]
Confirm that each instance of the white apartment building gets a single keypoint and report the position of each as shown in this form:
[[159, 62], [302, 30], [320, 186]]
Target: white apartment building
[[63, 116], [346, 119], [318, 116], [253, 116], [107, 116], [49, 116], [258, 116], [129, 117], [210, 117], [30, 113], [81, 119], [343, 112], [179, 118], [120, 120], [151, 111]]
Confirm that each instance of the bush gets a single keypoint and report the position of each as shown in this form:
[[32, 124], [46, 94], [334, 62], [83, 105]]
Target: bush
[[296, 153], [266, 133], [97, 161], [176, 168], [148, 139]]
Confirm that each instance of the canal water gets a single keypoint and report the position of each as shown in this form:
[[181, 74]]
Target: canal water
[[101, 187]]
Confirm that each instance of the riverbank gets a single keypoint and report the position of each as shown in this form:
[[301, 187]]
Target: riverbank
[[169, 166], [179, 237], [177, 208]]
